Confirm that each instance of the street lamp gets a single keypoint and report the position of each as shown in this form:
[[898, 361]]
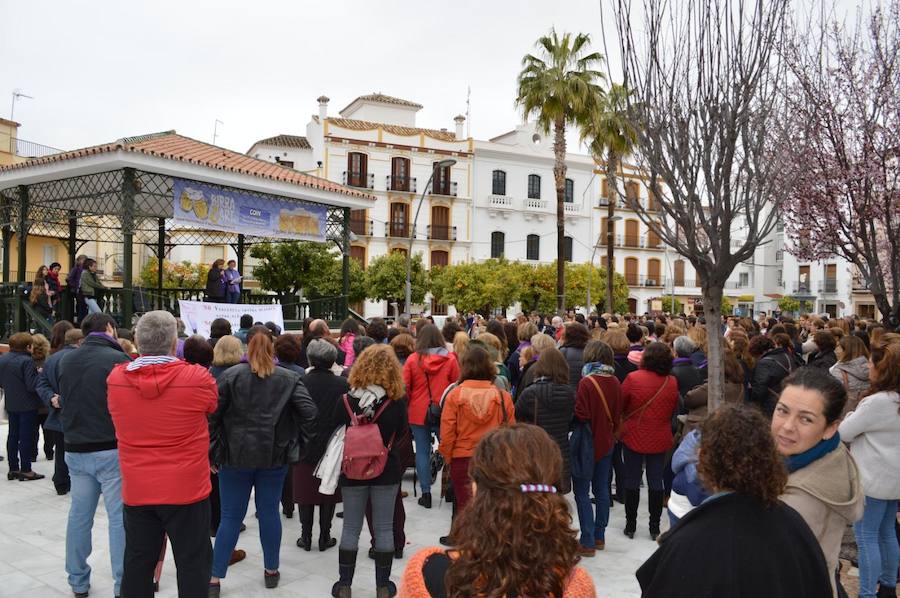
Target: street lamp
[[412, 232], [609, 270]]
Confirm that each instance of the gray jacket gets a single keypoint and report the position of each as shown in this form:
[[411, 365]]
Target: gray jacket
[[857, 374], [48, 385]]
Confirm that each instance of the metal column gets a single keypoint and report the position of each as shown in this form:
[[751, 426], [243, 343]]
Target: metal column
[[6, 215], [22, 232], [128, 193], [345, 265], [161, 260]]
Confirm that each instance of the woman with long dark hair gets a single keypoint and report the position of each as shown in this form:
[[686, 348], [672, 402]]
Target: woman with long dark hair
[[513, 470], [264, 416], [215, 282]]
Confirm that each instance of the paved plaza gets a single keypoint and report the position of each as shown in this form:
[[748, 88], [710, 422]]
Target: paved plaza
[[33, 530]]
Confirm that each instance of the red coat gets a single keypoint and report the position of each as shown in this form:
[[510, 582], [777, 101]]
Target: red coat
[[589, 408], [442, 370], [648, 430], [159, 412]]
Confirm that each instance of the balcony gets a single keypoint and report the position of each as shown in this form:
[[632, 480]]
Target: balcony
[[738, 284], [860, 284], [441, 232], [397, 230], [447, 188], [361, 228], [829, 285], [779, 255], [401, 183], [536, 204], [653, 281], [686, 282], [358, 179], [633, 241], [801, 288], [504, 202], [30, 149], [571, 208]]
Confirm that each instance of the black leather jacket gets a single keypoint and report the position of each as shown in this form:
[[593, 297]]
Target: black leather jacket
[[261, 423]]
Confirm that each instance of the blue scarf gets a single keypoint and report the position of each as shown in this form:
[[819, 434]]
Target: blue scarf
[[595, 367], [801, 460]]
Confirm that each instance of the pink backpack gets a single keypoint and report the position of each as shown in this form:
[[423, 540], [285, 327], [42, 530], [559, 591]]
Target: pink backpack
[[364, 452]]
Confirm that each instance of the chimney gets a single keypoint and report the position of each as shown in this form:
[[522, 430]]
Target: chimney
[[459, 120], [323, 107]]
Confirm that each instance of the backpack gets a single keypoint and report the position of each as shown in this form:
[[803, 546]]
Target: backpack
[[364, 452]]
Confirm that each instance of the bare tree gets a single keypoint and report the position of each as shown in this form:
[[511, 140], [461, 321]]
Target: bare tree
[[705, 77], [844, 112]]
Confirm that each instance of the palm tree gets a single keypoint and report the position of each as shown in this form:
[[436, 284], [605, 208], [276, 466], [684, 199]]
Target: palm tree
[[611, 136], [559, 88]]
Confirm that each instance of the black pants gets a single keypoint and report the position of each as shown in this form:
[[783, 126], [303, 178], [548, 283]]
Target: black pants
[[187, 527], [634, 468], [60, 470], [215, 504]]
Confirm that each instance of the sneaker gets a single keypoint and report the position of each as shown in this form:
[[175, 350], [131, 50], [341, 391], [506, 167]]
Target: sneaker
[[271, 579], [425, 500]]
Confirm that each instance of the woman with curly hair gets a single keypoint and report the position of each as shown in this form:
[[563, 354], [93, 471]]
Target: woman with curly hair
[[741, 542], [513, 471], [376, 387]]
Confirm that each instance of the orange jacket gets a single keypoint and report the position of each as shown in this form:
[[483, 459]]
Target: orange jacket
[[472, 409]]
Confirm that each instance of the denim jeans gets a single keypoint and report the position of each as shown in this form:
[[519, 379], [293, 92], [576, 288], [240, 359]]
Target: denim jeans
[[233, 296], [20, 442], [355, 499], [592, 519], [93, 474], [422, 438], [92, 306], [235, 485], [879, 554]]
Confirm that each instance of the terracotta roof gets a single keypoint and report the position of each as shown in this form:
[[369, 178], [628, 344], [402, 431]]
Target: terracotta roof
[[171, 146], [290, 141], [383, 99], [364, 125]]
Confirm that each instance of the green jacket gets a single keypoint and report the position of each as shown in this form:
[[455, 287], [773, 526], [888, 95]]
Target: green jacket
[[90, 283]]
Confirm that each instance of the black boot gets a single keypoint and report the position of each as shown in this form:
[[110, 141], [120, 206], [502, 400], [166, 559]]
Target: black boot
[[384, 587], [346, 569], [655, 500], [306, 521], [887, 592], [326, 512], [632, 500]]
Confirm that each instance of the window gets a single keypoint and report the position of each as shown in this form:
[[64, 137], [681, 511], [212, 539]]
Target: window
[[357, 173], [498, 240], [653, 272], [358, 253], [400, 174], [533, 247], [604, 191], [632, 238], [498, 183], [779, 278], [358, 223], [652, 203], [632, 192], [398, 226], [287, 163], [631, 271], [653, 240], [439, 259], [603, 233], [440, 223], [438, 309], [49, 254], [534, 186], [567, 249], [803, 281], [570, 191], [441, 184], [744, 279], [679, 273]]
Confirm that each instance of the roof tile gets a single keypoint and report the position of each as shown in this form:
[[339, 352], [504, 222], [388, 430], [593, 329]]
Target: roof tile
[[383, 99], [289, 141], [364, 125]]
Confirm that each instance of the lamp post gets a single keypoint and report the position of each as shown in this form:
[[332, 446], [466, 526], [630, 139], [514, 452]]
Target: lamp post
[[609, 271], [412, 230]]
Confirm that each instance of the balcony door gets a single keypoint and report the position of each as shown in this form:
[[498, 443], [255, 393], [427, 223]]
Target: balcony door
[[632, 237], [357, 169], [679, 273], [830, 278], [631, 271], [440, 223], [399, 225], [358, 222], [441, 183], [399, 174], [803, 282], [653, 272]]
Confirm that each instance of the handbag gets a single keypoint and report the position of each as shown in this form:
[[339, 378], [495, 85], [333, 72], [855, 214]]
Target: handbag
[[364, 452], [433, 413], [615, 426]]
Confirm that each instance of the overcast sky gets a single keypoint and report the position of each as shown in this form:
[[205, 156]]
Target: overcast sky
[[101, 70]]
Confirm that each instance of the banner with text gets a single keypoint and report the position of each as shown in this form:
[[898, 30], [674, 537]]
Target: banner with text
[[198, 315], [228, 210]]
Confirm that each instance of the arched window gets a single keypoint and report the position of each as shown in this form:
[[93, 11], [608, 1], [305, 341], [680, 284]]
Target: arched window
[[533, 248], [498, 240], [400, 179], [632, 238], [498, 183], [440, 223], [534, 186], [439, 258], [570, 191], [654, 278], [357, 172], [567, 249], [631, 271], [399, 224]]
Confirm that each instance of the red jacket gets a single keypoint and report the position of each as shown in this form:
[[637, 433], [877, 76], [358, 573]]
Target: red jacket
[[159, 412], [589, 408], [648, 430], [442, 370]]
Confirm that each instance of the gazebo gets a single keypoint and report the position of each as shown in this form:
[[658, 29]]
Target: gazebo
[[138, 189]]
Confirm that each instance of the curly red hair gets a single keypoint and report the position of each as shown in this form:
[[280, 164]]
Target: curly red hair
[[513, 543]]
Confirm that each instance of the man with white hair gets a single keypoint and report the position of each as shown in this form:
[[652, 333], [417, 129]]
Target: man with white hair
[[159, 406]]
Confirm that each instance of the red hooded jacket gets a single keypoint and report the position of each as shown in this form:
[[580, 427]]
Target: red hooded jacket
[[159, 412], [442, 370]]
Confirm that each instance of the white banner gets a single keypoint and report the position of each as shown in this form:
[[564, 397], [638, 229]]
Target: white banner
[[198, 315]]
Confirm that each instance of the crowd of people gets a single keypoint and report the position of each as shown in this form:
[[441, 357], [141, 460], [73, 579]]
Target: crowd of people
[[502, 417]]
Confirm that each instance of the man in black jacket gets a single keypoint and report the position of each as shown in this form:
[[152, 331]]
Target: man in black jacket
[[91, 449], [17, 378]]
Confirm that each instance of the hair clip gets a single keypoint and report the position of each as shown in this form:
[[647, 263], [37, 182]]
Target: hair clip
[[538, 488]]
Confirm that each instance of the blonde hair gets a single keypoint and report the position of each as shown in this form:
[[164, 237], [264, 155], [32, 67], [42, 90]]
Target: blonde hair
[[491, 340], [617, 341], [378, 365], [127, 346], [460, 344], [228, 351], [700, 338], [540, 342], [40, 347], [261, 355]]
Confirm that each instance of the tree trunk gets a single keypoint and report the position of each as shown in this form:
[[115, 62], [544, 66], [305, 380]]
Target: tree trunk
[[712, 310], [559, 173], [611, 164]]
